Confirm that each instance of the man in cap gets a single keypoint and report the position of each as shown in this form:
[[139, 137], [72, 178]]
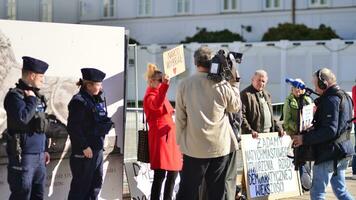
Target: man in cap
[[87, 126], [26, 124]]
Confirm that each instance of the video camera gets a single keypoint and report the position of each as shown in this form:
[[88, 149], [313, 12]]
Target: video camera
[[222, 64]]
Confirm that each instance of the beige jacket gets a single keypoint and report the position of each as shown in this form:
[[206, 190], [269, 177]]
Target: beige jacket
[[202, 124]]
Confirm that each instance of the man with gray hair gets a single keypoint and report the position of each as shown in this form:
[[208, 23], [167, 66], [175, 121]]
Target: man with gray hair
[[257, 113], [203, 131], [330, 136]]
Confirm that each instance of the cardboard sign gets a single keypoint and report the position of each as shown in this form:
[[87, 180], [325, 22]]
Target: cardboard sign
[[140, 177], [269, 173], [173, 61]]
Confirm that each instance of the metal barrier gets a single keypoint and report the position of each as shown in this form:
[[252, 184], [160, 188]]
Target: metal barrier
[[134, 123]]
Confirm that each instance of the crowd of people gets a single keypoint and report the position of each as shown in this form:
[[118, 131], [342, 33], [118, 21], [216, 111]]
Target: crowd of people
[[206, 135], [200, 145]]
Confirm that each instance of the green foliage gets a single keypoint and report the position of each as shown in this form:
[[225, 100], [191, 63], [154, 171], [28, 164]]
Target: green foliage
[[204, 36], [133, 41], [288, 31]]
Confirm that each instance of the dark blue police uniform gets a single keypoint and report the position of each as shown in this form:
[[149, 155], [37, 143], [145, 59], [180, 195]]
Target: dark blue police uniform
[[87, 126], [26, 141]]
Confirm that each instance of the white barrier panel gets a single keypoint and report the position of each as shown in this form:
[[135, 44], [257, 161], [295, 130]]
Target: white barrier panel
[[269, 173], [281, 59], [67, 48]]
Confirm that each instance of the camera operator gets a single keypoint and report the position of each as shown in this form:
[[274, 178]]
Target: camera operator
[[204, 134], [330, 138]]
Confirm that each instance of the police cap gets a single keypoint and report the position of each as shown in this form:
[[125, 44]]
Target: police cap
[[92, 74], [34, 65]]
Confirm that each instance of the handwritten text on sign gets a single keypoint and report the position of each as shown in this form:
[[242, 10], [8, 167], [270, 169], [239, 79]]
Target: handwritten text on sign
[[268, 170], [173, 61]]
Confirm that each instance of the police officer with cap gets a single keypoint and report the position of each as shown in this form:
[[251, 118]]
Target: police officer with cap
[[26, 141], [87, 126]]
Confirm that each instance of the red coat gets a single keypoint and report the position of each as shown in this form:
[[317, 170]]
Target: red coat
[[164, 151]]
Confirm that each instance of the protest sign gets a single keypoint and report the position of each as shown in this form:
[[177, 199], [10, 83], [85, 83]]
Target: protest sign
[[307, 116], [173, 61], [269, 173], [140, 177]]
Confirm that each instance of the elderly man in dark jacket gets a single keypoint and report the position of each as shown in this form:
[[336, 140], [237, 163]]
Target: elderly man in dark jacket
[[257, 113], [330, 137]]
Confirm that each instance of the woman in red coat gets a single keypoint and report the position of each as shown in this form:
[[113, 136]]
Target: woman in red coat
[[165, 156]]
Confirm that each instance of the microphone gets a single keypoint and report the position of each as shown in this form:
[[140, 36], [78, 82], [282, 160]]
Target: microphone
[[295, 83], [300, 85]]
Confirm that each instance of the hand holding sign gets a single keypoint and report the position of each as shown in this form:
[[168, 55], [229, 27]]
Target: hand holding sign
[[165, 79], [173, 61]]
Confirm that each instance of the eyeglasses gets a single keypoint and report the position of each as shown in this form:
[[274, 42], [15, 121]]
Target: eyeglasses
[[238, 79]]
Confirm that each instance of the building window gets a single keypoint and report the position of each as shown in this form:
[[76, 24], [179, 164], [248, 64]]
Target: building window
[[46, 10], [272, 4], [108, 8], [318, 3], [81, 8], [11, 9], [230, 5], [144, 7], [183, 6]]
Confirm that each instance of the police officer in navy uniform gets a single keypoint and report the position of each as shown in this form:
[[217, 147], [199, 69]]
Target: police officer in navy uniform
[[87, 126], [26, 141]]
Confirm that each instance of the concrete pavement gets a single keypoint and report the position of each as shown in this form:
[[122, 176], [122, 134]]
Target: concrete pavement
[[351, 186]]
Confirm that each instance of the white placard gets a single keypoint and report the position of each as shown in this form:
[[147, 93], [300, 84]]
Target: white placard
[[269, 173], [307, 116], [173, 61]]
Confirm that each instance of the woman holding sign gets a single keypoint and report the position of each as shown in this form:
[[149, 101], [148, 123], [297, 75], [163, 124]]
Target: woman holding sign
[[291, 109], [165, 156], [291, 123]]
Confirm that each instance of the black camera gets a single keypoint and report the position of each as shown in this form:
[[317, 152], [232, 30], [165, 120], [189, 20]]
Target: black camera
[[222, 64]]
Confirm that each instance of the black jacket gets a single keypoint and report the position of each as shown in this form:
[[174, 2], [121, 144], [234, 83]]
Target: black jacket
[[21, 111], [329, 123], [82, 123]]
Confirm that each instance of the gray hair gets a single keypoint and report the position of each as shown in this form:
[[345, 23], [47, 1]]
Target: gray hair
[[202, 57], [260, 72], [326, 75]]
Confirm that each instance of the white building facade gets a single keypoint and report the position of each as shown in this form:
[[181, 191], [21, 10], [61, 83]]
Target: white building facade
[[171, 21]]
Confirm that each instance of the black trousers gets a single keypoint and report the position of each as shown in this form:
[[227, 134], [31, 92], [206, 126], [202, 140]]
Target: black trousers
[[194, 169], [87, 176], [158, 178]]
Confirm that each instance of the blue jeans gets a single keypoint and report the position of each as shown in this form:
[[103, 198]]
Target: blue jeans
[[354, 157], [322, 174]]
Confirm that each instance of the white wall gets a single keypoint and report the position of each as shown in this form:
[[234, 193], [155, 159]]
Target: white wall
[[176, 29], [280, 61], [165, 26]]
